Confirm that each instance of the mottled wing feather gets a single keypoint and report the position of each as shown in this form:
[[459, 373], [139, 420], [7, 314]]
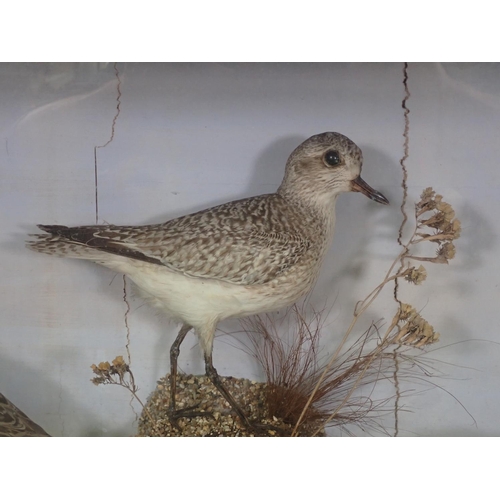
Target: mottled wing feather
[[15, 423], [245, 242]]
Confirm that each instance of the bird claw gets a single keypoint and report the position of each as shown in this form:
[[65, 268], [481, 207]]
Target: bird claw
[[175, 415]]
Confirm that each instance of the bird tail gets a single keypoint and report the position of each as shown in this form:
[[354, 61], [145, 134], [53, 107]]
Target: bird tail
[[60, 246]]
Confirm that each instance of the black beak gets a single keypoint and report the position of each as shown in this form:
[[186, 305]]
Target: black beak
[[361, 186]]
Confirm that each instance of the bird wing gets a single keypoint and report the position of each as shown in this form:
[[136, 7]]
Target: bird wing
[[14, 422], [247, 242]]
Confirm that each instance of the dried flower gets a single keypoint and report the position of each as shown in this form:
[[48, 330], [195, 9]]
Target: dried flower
[[427, 201], [437, 221], [447, 228], [416, 276], [405, 311], [446, 250], [117, 373], [118, 361], [456, 228], [452, 230], [443, 212], [416, 331], [446, 209], [113, 373]]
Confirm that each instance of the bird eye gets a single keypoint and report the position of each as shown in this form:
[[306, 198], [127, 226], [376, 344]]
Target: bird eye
[[332, 158]]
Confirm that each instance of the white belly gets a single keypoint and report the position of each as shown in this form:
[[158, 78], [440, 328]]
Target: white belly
[[198, 301]]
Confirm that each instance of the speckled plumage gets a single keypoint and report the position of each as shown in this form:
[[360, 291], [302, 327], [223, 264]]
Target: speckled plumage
[[248, 242], [15, 423], [245, 257]]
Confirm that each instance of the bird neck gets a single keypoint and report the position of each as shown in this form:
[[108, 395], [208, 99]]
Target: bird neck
[[319, 206]]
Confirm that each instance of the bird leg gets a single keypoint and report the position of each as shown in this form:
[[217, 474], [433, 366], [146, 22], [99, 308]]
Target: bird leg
[[215, 379], [212, 374], [173, 413]]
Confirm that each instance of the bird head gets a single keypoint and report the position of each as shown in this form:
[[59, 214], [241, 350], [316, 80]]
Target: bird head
[[324, 166]]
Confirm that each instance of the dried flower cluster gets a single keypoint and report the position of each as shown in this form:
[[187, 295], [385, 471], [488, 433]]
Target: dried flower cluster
[[415, 331], [434, 213], [415, 276], [116, 373]]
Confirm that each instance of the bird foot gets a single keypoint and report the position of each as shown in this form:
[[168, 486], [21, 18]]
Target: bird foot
[[174, 415], [261, 429]]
